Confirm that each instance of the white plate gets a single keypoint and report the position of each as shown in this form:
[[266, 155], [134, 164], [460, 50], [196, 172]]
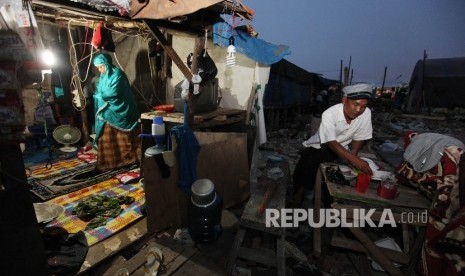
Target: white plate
[[372, 164], [381, 175], [45, 212]]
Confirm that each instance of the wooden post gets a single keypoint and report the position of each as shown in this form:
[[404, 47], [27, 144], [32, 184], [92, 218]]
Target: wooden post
[[351, 76], [348, 69], [199, 42], [340, 82], [425, 98], [346, 76], [340, 73], [422, 95], [192, 99], [168, 48], [250, 104], [384, 80], [83, 111]]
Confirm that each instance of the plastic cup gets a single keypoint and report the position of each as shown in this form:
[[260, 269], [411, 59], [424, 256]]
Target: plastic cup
[[363, 181]]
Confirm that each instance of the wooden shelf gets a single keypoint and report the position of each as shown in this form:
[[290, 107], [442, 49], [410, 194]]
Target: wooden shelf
[[218, 117]]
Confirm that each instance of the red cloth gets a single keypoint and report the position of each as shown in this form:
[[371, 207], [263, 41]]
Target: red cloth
[[85, 154], [97, 37], [443, 251], [408, 138]]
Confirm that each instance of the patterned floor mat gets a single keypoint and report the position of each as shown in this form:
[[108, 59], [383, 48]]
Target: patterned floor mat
[[66, 176], [110, 188]]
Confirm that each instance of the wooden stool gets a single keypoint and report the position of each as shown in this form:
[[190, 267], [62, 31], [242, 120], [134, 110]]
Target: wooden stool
[[252, 220]]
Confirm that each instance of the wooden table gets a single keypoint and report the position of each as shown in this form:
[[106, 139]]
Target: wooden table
[[408, 209], [252, 220]]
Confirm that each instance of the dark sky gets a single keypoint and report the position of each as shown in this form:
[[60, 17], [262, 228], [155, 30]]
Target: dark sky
[[375, 33]]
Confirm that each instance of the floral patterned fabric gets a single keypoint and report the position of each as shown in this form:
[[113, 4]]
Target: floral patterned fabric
[[443, 251]]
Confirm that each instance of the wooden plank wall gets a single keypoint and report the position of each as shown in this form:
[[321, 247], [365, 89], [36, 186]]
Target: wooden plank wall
[[222, 159]]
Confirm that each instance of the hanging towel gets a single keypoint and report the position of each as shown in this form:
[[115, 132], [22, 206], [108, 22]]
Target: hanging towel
[[186, 153]]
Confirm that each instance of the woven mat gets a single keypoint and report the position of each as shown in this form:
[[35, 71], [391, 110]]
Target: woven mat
[[67, 176], [111, 187], [58, 168]]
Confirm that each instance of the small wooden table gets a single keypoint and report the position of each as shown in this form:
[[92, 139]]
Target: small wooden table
[[252, 220], [408, 209]]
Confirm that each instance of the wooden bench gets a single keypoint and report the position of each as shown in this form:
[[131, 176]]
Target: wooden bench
[[266, 193]]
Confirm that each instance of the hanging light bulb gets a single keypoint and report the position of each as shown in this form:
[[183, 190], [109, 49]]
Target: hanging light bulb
[[231, 56], [48, 57]]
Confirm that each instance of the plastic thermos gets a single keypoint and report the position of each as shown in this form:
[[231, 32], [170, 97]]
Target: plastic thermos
[[204, 212]]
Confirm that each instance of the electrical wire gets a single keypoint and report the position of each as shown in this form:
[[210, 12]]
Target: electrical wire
[[75, 78], [140, 32]]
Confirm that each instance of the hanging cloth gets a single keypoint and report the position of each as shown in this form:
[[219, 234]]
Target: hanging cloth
[[186, 153]]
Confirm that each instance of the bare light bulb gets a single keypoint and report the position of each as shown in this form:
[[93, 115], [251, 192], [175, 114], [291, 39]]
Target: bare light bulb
[[48, 57], [231, 56]]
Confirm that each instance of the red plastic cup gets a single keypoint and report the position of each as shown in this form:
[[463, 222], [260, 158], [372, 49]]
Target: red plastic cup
[[363, 181]]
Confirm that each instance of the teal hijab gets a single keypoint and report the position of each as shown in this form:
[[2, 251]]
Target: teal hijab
[[113, 99]]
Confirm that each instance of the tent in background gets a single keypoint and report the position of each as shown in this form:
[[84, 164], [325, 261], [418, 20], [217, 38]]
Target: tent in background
[[290, 85], [437, 83]]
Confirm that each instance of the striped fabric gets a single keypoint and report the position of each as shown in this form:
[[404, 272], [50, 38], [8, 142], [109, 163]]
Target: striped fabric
[[118, 148], [59, 168]]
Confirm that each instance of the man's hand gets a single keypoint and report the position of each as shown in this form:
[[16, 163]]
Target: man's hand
[[351, 157], [361, 165]]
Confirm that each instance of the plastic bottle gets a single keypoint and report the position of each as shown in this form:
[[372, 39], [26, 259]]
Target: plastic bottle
[[158, 130]]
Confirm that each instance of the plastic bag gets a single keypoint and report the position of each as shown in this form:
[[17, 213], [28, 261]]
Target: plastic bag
[[205, 65]]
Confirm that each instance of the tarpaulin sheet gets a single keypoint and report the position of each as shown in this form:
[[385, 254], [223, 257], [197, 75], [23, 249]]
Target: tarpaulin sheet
[[252, 47]]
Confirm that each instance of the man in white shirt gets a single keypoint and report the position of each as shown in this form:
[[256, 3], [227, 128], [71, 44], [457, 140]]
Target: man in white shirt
[[344, 128]]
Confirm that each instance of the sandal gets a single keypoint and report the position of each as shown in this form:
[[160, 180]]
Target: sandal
[[153, 261]]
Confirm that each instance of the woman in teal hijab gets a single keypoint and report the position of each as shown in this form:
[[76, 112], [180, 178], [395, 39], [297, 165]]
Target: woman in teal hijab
[[116, 117]]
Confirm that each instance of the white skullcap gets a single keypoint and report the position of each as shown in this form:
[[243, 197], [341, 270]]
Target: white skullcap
[[358, 91]]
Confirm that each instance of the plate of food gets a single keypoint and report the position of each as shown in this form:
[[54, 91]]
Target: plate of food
[[45, 212], [347, 172]]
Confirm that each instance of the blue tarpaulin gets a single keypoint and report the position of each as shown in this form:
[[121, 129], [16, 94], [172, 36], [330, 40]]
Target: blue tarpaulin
[[252, 47]]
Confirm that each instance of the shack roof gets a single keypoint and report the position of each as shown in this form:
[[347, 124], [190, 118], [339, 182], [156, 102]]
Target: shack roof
[[180, 15]]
